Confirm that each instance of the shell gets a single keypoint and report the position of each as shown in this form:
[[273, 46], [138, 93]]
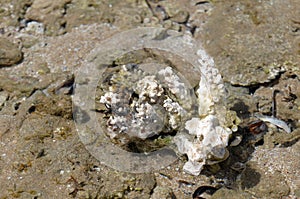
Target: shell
[[277, 122]]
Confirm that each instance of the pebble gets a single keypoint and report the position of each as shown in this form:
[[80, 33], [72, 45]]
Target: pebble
[[180, 17], [9, 53], [162, 192]]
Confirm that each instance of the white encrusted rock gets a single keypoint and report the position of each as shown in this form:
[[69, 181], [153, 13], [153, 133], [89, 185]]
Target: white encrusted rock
[[211, 88], [162, 100], [210, 135], [210, 142]]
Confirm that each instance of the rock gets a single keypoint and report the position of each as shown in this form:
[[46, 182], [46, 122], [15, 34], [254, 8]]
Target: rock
[[265, 183], [229, 193], [277, 169], [50, 14], [256, 50], [180, 17], [162, 192], [9, 53], [34, 27], [146, 183], [211, 142], [56, 105], [12, 12], [287, 99]]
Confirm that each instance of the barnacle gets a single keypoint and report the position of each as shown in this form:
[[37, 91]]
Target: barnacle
[[144, 104]]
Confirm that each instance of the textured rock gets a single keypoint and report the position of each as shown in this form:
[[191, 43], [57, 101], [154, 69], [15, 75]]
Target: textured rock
[[276, 170], [162, 192], [50, 13], [12, 12], [287, 99], [249, 46], [9, 53]]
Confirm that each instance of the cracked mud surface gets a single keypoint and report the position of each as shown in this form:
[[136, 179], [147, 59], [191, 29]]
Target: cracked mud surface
[[256, 46]]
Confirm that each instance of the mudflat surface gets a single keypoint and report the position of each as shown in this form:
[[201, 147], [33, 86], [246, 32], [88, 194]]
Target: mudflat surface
[[255, 45]]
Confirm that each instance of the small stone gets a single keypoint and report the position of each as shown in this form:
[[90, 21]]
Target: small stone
[[180, 17], [9, 53], [83, 194], [162, 192], [35, 27]]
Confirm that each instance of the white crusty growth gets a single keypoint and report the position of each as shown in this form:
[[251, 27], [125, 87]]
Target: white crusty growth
[[210, 136], [211, 88], [173, 82]]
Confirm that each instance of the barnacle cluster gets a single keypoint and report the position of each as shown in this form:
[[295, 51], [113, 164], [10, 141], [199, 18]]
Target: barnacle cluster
[[151, 85], [143, 104]]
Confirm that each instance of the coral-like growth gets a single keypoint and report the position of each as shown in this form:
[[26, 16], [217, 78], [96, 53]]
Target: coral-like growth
[[210, 133]]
